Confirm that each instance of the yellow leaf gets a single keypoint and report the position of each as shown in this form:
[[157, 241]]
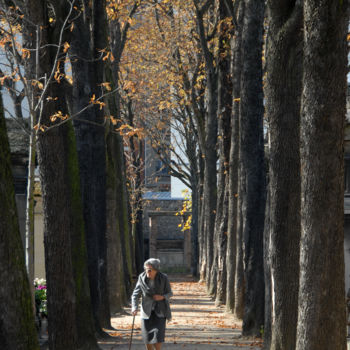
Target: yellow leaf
[[25, 53], [38, 84], [65, 47], [106, 85]]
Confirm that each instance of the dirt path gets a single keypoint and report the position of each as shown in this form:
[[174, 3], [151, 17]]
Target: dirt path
[[196, 324]]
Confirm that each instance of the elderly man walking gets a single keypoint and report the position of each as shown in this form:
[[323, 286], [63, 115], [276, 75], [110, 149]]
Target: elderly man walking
[[155, 289]]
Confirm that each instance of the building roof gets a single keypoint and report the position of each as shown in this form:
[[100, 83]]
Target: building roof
[[160, 196]]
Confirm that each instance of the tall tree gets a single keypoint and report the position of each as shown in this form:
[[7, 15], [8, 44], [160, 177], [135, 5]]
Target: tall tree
[[321, 312], [232, 230], [44, 68], [208, 136], [61, 298], [283, 95], [267, 275], [252, 171], [224, 113], [119, 233], [89, 38], [17, 328], [69, 307]]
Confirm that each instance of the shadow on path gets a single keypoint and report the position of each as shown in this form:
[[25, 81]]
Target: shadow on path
[[197, 323]]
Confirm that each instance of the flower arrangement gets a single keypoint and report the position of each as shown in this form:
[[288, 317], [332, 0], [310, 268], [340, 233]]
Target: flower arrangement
[[40, 296]]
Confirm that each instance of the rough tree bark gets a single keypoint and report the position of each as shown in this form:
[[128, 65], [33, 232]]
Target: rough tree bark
[[88, 37], [69, 305], [201, 236], [117, 40], [224, 114], [17, 328], [84, 316], [210, 138], [321, 313], [283, 95], [61, 300], [252, 165], [267, 274], [117, 293], [233, 162], [240, 283]]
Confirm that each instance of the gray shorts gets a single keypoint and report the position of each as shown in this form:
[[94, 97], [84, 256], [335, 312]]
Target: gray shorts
[[153, 329]]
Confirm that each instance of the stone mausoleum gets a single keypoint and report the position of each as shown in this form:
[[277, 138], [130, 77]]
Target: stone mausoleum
[[163, 237]]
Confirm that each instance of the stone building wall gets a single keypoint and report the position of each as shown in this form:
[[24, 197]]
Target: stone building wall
[[167, 225], [163, 237]]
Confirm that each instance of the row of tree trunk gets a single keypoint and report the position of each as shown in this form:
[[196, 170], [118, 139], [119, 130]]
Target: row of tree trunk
[[89, 249], [274, 205]]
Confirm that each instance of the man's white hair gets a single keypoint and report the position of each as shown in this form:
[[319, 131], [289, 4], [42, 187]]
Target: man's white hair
[[155, 263]]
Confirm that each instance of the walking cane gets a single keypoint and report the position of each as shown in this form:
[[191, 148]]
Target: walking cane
[[132, 331]]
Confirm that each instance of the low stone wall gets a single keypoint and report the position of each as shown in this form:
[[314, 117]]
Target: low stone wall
[[171, 258]]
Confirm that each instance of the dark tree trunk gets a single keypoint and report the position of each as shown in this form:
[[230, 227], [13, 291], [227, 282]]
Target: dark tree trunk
[[209, 188], [17, 328], [69, 304], [138, 235], [208, 135], [84, 317], [222, 248], [115, 266], [224, 130], [283, 94], [201, 236], [240, 283], [117, 181], [321, 313], [54, 178], [192, 152], [119, 250], [57, 205], [252, 165], [234, 164], [88, 38], [138, 225], [194, 230], [123, 218], [62, 140], [267, 275]]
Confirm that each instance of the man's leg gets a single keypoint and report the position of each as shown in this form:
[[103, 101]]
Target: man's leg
[[158, 346], [149, 346]]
